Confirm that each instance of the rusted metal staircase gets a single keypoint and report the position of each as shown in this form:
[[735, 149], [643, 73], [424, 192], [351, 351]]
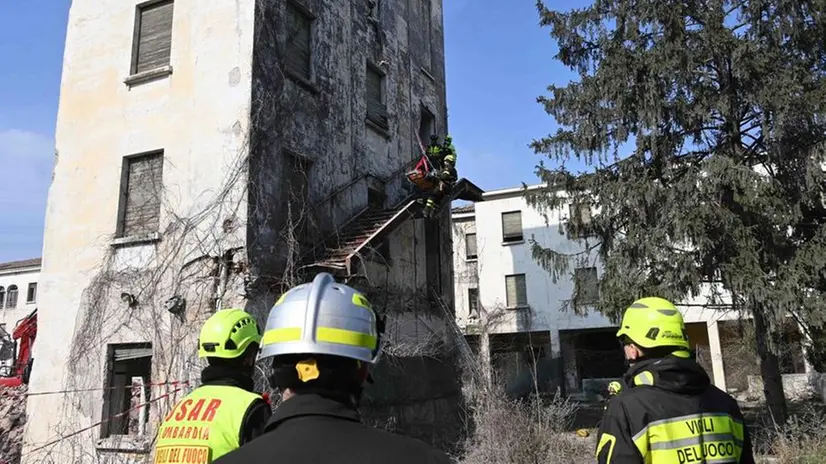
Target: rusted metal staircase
[[370, 227]]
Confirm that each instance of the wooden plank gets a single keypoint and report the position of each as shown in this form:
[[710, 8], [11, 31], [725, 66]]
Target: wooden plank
[[154, 36]]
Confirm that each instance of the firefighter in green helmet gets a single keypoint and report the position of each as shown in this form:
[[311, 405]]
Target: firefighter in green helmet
[[224, 412], [668, 411]]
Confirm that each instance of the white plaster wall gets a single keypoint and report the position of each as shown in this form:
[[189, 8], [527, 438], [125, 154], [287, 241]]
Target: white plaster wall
[[545, 297], [198, 115], [22, 279]]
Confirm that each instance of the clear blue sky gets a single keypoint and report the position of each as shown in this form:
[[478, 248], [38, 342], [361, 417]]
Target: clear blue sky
[[498, 62]]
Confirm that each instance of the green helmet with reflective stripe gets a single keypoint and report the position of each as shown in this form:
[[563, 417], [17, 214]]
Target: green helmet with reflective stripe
[[652, 322], [323, 317]]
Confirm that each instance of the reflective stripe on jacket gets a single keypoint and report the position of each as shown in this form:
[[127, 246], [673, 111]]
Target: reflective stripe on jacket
[[669, 413], [204, 425]]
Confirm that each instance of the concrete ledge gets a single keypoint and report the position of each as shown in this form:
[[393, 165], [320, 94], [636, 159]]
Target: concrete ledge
[[516, 242], [147, 76], [125, 443], [301, 81], [136, 239], [377, 128]]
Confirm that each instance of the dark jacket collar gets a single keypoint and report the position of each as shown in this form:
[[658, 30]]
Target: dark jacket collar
[[312, 404], [227, 376], [671, 373]]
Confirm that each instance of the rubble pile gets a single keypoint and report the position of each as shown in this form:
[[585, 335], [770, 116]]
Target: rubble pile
[[12, 420]]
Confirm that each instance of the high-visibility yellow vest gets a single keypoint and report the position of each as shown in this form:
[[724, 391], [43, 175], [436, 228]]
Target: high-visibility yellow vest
[[203, 426], [704, 437]]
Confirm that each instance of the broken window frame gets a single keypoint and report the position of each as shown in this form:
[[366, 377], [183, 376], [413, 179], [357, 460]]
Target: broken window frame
[[298, 55], [509, 227], [149, 221], [31, 293], [471, 252], [582, 277], [473, 301], [135, 394], [520, 286], [376, 111], [143, 36]]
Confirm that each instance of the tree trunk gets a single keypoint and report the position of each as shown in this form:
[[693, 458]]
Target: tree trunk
[[769, 368]]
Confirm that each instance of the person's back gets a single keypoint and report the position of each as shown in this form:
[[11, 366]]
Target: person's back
[[321, 338], [668, 411], [674, 414], [312, 429]]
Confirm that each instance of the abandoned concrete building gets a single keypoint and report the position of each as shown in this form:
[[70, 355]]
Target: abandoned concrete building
[[18, 298], [526, 325], [209, 156]]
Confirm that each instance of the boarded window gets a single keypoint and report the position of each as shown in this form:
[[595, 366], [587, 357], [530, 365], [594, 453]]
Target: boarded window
[[153, 36], [299, 40], [129, 372], [516, 291], [141, 190], [11, 297], [512, 226], [375, 96], [586, 285], [473, 301], [470, 246], [31, 294]]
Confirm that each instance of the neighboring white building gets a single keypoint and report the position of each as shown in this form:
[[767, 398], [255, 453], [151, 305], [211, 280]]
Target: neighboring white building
[[18, 298], [507, 302]]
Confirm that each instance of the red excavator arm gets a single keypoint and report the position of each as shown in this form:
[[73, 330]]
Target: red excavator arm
[[24, 334]]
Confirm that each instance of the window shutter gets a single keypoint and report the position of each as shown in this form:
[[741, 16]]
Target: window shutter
[[154, 37], [512, 225], [517, 294], [470, 245], [125, 354], [143, 194]]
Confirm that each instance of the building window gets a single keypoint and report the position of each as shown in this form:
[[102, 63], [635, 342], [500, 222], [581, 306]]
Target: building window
[[512, 227], [2, 297], [31, 294], [427, 124], [299, 41], [129, 369], [152, 41], [473, 301], [516, 291], [470, 246], [586, 286], [141, 187], [376, 97], [11, 297], [580, 218]]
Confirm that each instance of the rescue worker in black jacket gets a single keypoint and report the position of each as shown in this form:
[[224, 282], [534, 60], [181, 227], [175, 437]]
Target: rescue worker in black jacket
[[668, 412], [321, 337]]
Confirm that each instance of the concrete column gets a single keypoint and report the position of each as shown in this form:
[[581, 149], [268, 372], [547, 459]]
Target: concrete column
[[484, 352], [716, 354], [804, 342]]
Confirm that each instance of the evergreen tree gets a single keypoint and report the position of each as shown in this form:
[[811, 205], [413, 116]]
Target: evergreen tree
[[724, 102]]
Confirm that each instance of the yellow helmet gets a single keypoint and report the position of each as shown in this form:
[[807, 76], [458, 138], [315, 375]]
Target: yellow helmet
[[227, 334], [653, 322]]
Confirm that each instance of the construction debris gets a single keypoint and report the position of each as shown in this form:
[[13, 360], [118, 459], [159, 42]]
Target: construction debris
[[12, 420]]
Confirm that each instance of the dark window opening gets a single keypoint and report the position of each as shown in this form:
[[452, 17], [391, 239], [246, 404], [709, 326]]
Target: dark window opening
[[11, 297], [31, 293], [473, 301], [299, 41], [427, 124], [129, 372]]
